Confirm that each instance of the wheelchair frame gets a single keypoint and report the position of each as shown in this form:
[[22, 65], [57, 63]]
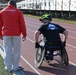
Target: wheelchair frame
[[40, 55]]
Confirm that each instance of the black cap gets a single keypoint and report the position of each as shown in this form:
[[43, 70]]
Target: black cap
[[12, 2]]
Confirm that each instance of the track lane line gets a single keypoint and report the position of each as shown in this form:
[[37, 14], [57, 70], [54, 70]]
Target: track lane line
[[70, 45], [30, 65], [60, 22], [68, 36], [33, 42], [37, 27], [66, 44], [2, 54]]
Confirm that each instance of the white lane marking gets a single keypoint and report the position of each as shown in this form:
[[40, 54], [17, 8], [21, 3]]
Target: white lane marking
[[72, 37], [70, 45], [34, 31], [71, 49], [30, 65], [37, 27], [70, 27], [33, 25], [2, 54], [40, 23], [71, 31], [30, 30], [72, 63], [65, 26], [69, 61], [30, 40], [67, 44]]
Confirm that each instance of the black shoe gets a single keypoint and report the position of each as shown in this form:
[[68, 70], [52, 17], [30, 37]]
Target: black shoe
[[19, 68]]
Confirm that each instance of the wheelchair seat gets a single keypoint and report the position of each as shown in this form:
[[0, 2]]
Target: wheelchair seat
[[53, 46], [50, 48]]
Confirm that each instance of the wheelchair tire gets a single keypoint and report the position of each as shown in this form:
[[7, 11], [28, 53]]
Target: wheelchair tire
[[64, 57], [39, 56]]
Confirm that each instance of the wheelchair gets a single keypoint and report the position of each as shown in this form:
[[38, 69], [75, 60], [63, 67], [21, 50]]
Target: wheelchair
[[41, 55]]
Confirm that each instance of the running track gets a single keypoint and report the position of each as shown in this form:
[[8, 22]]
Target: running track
[[54, 68]]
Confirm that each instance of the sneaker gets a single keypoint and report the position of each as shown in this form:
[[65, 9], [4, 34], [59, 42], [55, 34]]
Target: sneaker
[[19, 68], [8, 69], [14, 73]]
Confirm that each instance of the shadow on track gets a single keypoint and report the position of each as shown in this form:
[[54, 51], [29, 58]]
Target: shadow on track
[[57, 69], [29, 73]]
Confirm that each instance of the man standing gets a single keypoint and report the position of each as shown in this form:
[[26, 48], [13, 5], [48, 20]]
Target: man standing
[[11, 26]]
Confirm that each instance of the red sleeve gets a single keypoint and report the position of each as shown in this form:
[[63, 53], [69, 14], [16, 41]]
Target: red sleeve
[[22, 25], [0, 26]]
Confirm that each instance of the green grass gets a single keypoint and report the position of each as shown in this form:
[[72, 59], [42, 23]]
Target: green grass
[[55, 19], [64, 21], [2, 70]]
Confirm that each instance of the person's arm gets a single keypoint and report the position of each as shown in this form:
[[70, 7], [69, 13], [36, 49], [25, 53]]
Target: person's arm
[[1, 37], [64, 32], [23, 26], [1, 25], [36, 36], [65, 35]]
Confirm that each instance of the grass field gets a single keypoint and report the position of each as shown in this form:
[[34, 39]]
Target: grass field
[[64, 21], [2, 70]]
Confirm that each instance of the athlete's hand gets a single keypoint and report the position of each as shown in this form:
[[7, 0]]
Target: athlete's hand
[[37, 45], [1, 37], [64, 43]]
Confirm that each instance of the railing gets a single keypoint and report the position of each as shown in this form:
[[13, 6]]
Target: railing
[[2, 5]]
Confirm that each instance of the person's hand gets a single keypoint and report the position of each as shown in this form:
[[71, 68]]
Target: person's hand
[[37, 45], [24, 38], [1, 37], [64, 43]]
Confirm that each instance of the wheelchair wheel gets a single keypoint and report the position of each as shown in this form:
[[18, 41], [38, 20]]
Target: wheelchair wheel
[[64, 57], [39, 56]]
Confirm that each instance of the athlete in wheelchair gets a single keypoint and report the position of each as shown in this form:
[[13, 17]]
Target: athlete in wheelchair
[[50, 42]]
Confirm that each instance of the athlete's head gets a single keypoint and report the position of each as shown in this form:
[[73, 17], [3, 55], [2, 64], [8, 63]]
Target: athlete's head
[[12, 2], [46, 17]]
